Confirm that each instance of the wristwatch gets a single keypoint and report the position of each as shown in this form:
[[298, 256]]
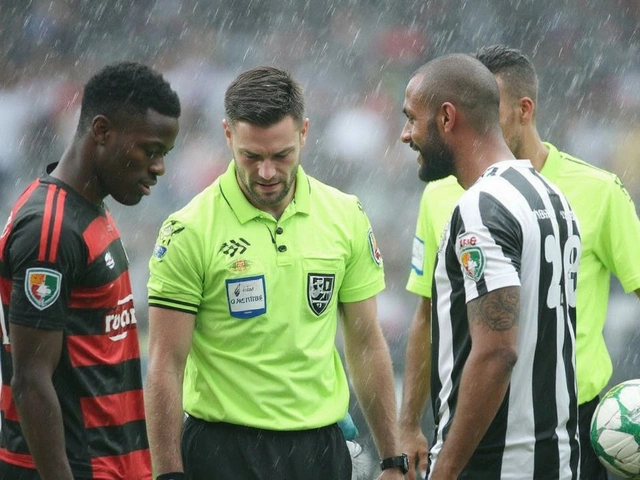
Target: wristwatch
[[401, 462]]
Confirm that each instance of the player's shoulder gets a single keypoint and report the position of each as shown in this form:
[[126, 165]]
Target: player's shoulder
[[575, 166], [327, 196], [448, 185], [200, 206]]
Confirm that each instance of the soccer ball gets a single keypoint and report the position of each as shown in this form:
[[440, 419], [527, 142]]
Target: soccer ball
[[615, 429]]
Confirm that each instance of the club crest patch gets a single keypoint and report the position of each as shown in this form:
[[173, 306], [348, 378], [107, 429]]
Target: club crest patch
[[319, 291], [376, 254], [473, 262], [42, 286]]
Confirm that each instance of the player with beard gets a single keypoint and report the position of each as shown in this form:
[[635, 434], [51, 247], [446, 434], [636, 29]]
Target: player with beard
[[610, 231], [503, 310], [248, 282]]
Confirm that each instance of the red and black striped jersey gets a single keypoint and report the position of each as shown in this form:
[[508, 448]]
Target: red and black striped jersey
[[63, 267]]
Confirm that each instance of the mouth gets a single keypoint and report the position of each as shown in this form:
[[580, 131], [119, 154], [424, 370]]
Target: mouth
[[145, 187], [268, 187]]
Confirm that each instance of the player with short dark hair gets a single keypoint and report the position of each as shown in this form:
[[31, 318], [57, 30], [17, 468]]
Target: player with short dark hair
[[248, 282], [72, 405], [610, 232], [503, 312]]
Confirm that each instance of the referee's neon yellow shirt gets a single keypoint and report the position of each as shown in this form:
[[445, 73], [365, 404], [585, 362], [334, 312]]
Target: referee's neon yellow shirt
[[610, 232], [265, 294]]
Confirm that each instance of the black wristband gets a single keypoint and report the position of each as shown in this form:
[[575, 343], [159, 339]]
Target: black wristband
[[172, 476]]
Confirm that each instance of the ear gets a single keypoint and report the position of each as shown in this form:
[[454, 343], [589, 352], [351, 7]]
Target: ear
[[101, 127], [303, 132], [447, 117], [526, 109], [227, 132]]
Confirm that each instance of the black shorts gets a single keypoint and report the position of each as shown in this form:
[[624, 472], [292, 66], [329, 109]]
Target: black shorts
[[212, 451], [9, 471], [590, 466]]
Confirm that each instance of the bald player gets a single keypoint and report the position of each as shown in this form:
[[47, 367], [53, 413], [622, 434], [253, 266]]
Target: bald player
[[502, 347], [610, 232]]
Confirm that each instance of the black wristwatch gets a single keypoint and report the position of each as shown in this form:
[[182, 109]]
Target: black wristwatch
[[401, 462]]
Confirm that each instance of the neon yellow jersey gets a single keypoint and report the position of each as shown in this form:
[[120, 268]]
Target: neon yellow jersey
[[610, 232], [265, 294]]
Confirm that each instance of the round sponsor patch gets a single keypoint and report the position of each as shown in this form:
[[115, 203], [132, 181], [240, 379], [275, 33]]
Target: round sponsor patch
[[42, 286], [473, 261], [373, 248]]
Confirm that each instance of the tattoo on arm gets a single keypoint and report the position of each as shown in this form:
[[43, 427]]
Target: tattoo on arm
[[497, 310]]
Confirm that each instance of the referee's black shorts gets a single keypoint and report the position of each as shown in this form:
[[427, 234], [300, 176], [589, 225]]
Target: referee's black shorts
[[590, 466], [212, 451]]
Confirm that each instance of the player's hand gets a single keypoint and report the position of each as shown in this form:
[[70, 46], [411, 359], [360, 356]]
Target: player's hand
[[416, 446]]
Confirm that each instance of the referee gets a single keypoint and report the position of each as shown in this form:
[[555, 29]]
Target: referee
[[610, 232], [503, 330], [247, 284]]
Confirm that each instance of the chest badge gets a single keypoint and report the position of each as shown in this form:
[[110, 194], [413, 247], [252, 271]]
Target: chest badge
[[319, 291]]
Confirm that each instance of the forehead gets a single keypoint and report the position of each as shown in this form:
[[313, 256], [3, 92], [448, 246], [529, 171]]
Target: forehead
[[151, 123], [414, 96], [272, 138]]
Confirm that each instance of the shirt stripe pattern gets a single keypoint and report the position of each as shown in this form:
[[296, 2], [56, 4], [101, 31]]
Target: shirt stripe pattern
[[105, 430], [529, 238]]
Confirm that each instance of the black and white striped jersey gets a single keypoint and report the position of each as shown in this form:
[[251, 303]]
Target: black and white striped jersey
[[512, 228]]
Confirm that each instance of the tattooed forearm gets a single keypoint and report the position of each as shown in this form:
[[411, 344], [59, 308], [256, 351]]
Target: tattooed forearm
[[497, 310]]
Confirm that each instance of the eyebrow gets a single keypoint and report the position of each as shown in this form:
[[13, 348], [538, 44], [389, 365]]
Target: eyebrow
[[283, 152]]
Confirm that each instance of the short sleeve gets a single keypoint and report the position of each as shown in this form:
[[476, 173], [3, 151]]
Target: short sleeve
[[364, 273], [619, 237], [40, 290], [176, 269]]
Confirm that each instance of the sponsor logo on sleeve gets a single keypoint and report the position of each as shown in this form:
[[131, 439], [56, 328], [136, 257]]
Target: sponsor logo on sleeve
[[373, 248], [42, 286], [165, 236], [319, 291]]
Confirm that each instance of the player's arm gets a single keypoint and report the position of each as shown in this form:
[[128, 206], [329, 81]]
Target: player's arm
[[415, 388], [485, 377], [170, 337], [35, 355], [369, 362]]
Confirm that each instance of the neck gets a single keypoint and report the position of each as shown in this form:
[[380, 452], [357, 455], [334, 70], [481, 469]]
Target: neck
[[74, 170], [480, 154], [533, 149]]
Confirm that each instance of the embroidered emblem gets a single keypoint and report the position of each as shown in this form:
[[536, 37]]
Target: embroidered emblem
[[239, 266], [473, 262], [319, 291], [108, 259], [373, 248], [42, 286]]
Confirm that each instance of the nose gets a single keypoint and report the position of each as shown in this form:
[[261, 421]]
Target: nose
[[157, 166], [267, 169], [405, 135]]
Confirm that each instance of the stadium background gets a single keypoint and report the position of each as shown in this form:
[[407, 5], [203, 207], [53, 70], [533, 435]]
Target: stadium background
[[353, 58]]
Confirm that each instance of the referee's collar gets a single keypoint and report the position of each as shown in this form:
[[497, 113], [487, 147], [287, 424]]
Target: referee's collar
[[552, 163], [245, 211]]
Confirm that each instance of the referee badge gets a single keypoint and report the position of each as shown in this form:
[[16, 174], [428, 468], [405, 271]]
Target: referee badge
[[373, 248], [319, 291], [473, 262]]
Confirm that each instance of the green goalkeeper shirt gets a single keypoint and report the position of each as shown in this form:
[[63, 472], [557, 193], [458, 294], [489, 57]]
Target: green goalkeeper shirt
[[265, 296], [610, 232]]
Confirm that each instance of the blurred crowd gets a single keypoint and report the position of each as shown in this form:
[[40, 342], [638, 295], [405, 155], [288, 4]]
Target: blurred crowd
[[353, 58]]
